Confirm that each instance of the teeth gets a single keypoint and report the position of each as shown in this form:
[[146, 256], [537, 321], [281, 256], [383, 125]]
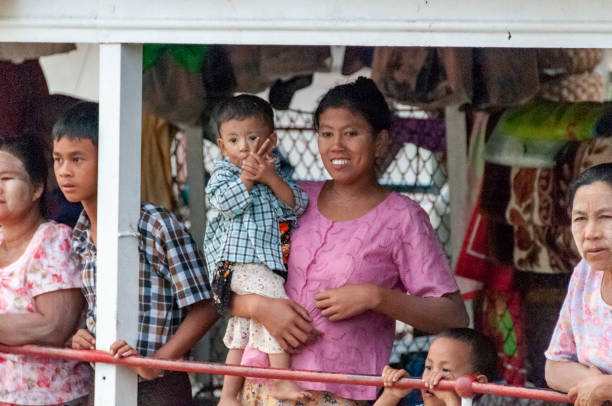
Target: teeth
[[339, 161]]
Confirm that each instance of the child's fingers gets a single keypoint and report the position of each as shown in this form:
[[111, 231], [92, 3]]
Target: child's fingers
[[263, 149], [255, 147]]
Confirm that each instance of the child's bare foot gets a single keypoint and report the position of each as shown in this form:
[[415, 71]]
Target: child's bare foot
[[228, 401], [289, 390]]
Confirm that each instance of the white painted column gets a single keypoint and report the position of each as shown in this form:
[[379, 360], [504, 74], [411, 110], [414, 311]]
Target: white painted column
[[118, 213], [456, 157]]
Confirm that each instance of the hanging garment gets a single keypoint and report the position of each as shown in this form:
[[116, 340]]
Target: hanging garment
[[568, 61], [257, 67], [156, 182], [428, 133], [17, 52], [504, 76], [579, 87], [426, 77], [544, 249]]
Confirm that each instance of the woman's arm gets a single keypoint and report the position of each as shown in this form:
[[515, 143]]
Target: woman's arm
[[562, 375], [428, 314], [53, 321], [288, 322], [592, 391]]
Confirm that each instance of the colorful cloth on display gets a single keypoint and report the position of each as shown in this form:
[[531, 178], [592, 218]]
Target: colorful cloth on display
[[172, 275], [156, 166], [428, 133], [583, 332], [498, 315], [533, 135], [258, 394], [45, 266], [392, 246]]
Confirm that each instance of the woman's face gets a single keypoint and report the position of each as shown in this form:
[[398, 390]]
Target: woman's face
[[592, 224], [348, 145], [17, 194]]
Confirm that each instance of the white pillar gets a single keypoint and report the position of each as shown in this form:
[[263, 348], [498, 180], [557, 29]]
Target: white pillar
[[118, 213], [456, 157]]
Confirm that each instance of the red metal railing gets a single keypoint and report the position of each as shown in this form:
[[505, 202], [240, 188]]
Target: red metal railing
[[465, 387]]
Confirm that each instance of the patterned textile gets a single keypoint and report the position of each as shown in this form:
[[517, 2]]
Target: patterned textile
[[392, 246], [44, 267], [172, 275], [260, 280], [584, 330], [544, 249], [244, 226], [568, 61], [580, 87], [258, 394], [427, 133]]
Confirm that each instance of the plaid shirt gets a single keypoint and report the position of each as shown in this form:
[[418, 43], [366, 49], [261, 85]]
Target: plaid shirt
[[172, 275], [244, 228]]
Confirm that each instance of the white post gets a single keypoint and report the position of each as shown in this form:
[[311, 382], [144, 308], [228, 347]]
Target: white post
[[118, 213], [456, 157], [466, 402]]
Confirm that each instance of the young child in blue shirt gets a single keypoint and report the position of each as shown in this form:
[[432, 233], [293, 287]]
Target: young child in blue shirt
[[246, 241]]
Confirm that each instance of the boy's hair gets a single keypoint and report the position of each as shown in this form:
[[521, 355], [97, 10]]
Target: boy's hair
[[361, 97], [597, 173], [33, 153], [242, 107], [483, 351], [78, 122]]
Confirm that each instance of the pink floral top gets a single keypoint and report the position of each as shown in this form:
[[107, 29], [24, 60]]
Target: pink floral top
[[393, 246], [584, 330], [45, 266]]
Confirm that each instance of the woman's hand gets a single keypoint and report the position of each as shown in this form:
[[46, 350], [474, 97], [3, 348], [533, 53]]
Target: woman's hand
[[288, 322], [593, 390], [346, 301], [83, 340]]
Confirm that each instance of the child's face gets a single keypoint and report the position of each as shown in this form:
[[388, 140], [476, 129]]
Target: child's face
[[239, 137], [449, 357], [75, 162]]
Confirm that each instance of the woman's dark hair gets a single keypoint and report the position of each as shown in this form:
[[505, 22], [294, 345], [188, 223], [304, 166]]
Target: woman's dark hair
[[483, 352], [33, 152], [362, 97], [597, 173], [242, 107], [78, 122]]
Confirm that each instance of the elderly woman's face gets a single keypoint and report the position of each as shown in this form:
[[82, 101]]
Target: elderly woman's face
[[592, 224], [347, 144], [17, 194]]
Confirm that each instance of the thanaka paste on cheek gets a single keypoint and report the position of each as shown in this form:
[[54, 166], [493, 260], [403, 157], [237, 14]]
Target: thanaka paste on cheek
[[16, 192]]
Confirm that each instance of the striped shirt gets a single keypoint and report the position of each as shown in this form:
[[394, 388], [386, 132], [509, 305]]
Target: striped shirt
[[172, 275]]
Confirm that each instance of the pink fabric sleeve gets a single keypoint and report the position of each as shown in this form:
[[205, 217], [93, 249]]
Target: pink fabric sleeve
[[51, 267], [422, 264], [562, 345]]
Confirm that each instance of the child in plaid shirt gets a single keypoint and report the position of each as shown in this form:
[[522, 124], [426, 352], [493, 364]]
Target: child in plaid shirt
[[246, 243]]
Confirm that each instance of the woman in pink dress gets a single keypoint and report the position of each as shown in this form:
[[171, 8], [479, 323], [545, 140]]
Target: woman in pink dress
[[361, 258], [40, 298]]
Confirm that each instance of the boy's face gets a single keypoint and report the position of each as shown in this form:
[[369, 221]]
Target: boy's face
[[450, 358], [75, 162], [239, 137]]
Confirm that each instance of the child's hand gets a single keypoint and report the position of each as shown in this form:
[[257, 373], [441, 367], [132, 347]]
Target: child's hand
[[121, 349], [259, 166], [83, 340], [450, 398], [390, 377]]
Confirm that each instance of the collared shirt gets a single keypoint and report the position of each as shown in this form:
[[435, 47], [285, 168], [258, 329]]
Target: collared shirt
[[172, 275], [244, 227]]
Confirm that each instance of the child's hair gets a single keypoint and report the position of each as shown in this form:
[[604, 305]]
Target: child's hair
[[483, 352], [33, 152], [78, 122], [597, 173], [362, 97], [242, 107]]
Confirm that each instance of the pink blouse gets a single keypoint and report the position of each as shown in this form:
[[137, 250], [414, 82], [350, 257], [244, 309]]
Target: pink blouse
[[393, 246], [44, 267]]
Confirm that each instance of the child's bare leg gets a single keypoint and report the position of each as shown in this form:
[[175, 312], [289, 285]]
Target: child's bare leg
[[282, 389], [231, 384]]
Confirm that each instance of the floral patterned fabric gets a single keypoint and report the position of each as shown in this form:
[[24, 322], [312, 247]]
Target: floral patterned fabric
[[584, 330], [44, 267]]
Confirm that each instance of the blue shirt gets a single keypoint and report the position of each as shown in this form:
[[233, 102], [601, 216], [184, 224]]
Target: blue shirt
[[245, 226]]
